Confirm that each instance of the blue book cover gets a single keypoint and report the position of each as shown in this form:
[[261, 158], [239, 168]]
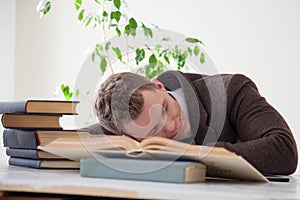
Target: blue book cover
[[17, 138], [55, 107], [12, 107], [30, 153], [143, 170], [43, 163]]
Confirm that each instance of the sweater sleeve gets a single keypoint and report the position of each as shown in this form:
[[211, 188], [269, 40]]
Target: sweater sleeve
[[264, 138]]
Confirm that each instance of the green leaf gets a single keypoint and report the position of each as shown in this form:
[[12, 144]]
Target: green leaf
[[44, 8], [93, 56], [185, 53], [88, 21], [202, 58], [193, 40], [107, 45], [157, 47], [159, 63], [97, 20], [66, 91], [77, 92], [163, 52], [140, 55], [165, 39], [167, 59], [147, 46], [196, 50], [117, 4], [98, 49], [77, 4], [118, 31], [147, 31], [118, 52], [158, 70], [152, 59], [80, 15], [103, 64], [129, 30], [104, 14], [115, 15], [180, 61], [98, 2], [190, 51], [132, 23]]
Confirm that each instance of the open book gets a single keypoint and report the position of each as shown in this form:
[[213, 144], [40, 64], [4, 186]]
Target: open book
[[219, 161]]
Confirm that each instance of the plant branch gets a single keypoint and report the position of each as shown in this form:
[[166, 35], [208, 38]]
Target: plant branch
[[104, 39]]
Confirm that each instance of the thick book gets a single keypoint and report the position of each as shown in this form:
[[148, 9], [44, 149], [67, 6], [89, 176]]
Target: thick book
[[144, 170], [31, 139], [30, 121], [39, 106], [31, 154], [219, 161], [43, 163]]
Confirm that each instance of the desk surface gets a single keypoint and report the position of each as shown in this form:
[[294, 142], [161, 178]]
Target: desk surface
[[69, 182]]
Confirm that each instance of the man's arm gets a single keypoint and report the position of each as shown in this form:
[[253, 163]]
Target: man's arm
[[265, 139]]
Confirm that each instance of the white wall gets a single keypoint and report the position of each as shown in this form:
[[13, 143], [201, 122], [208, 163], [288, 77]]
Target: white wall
[[49, 51], [7, 57], [259, 38], [7, 49]]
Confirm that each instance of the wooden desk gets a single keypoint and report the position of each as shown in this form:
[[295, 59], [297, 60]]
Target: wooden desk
[[69, 182]]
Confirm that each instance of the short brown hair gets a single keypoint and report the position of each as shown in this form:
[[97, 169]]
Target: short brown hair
[[119, 100]]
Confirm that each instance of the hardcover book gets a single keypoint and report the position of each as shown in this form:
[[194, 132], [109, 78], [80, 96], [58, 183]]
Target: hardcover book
[[219, 161], [30, 121], [39, 106], [43, 163], [144, 170], [31, 139], [31, 154]]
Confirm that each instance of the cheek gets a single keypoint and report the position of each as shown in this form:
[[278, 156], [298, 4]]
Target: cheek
[[175, 109]]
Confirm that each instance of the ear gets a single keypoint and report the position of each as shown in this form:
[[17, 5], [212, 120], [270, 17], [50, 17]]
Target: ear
[[159, 85]]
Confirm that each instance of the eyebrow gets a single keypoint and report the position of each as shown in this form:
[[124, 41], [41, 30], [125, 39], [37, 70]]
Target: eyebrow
[[155, 127]]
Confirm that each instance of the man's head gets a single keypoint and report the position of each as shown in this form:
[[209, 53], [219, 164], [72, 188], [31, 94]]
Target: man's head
[[127, 103]]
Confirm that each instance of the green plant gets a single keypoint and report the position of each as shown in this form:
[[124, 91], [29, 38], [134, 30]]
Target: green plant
[[111, 18]]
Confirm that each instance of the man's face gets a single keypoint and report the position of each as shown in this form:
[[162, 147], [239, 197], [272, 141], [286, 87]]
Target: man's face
[[161, 116]]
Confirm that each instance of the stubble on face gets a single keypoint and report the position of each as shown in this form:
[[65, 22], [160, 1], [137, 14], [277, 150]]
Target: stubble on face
[[161, 116]]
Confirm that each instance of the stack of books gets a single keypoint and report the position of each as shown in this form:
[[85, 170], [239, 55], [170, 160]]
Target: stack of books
[[32, 123]]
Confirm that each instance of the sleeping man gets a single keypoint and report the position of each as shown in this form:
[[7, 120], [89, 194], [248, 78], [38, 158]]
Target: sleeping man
[[223, 110]]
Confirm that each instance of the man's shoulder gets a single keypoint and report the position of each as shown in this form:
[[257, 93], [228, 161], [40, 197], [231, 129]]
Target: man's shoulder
[[235, 79], [232, 81]]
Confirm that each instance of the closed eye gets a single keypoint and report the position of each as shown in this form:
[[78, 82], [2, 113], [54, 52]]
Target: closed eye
[[158, 126]]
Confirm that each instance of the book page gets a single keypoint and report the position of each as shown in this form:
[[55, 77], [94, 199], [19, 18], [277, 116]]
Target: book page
[[168, 145], [220, 162], [94, 143]]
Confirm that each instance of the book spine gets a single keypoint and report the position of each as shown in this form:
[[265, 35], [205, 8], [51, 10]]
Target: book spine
[[12, 107], [144, 170], [23, 153], [15, 138], [23, 162]]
